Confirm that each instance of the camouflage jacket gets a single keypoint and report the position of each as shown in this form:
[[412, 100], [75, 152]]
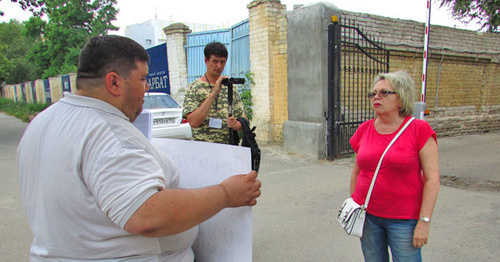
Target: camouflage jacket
[[196, 94]]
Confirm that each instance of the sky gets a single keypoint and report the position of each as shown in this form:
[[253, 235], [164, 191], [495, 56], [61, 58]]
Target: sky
[[230, 12]]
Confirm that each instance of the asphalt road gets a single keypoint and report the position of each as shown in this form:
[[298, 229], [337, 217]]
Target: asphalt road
[[295, 218]]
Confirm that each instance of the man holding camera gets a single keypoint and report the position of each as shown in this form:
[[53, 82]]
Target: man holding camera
[[206, 104]]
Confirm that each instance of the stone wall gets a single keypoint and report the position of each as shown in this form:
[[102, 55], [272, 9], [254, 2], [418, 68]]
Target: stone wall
[[305, 129], [450, 121]]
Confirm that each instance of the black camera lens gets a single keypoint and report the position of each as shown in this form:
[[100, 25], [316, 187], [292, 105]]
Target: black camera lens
[[237, 81]]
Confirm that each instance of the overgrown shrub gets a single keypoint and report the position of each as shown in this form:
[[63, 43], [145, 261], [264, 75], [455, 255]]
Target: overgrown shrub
[[21, 110], [246, 95]]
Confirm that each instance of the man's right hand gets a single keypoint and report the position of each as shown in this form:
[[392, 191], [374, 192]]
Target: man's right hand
[[242, 190], [218, 85], [196, 117]]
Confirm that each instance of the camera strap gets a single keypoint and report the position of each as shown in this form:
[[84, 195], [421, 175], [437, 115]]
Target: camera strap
[[233, 135], [211, 87], [230, 98]]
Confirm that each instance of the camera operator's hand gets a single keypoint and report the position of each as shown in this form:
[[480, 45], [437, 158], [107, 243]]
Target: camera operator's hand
[[218, 85], [233, 123], [242, 190]]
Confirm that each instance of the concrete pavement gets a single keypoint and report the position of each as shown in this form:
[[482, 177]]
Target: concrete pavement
[[295, 218], [15, 235]]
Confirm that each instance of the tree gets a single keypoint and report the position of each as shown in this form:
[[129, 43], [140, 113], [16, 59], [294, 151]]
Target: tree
[[14, 46], [68, 25], [5, 65], [34, 6], [486, 11]]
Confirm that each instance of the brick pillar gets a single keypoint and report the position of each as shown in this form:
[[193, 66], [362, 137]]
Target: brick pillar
[[177, 59], [268, 61]]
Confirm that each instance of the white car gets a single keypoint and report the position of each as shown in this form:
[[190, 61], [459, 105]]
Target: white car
[[167, 116]]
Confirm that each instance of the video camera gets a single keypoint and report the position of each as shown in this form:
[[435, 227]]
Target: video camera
[[233, 80]]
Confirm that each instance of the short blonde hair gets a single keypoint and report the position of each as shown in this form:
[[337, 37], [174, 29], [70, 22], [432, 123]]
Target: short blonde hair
[[404, 86]]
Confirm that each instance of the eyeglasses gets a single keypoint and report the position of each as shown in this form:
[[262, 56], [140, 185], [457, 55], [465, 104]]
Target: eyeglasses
[[381, 93]]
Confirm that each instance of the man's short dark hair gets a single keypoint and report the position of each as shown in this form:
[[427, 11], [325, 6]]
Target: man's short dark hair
[[215, 48], [111, 53]]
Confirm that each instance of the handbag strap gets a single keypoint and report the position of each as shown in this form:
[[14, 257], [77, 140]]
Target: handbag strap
[[365, 206]]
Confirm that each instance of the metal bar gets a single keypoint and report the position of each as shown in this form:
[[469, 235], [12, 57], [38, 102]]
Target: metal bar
[[425, 55], [336, 83], [365, 37], [357, 78], [366, 53], [330, 150]]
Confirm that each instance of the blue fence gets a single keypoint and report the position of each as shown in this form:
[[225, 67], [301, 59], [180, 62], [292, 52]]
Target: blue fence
[[66, 83], [240, 49], [23, 92], [46, 89], [15, 93], [33, 91], [29, 92], [237, 41]]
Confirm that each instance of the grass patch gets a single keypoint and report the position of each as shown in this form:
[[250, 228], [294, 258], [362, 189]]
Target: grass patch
[[21, 110]]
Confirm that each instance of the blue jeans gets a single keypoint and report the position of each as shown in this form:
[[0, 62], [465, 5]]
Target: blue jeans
[[379, 234]]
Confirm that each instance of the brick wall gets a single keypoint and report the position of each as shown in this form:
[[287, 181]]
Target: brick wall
[[463, 75], [463, 69], [268, 54], [463, 85], [409, 35], [279, 103]]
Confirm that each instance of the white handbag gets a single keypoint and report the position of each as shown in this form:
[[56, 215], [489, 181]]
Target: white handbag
[[351, 215]]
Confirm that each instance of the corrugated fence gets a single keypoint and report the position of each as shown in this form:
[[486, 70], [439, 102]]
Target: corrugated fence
[[237, 41]]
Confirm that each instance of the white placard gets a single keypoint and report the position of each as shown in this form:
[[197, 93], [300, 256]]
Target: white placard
[[144, 122], [227, 236]]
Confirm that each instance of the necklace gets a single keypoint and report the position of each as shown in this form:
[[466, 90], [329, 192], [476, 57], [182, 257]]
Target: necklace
[[208, 81]]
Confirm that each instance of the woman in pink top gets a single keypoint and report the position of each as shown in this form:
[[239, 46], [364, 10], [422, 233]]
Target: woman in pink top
[[406, 189]]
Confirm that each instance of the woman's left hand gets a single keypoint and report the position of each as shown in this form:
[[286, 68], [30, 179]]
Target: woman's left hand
[[421, 234]]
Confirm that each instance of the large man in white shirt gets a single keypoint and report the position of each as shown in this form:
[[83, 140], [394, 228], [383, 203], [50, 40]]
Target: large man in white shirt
[[93, 186]]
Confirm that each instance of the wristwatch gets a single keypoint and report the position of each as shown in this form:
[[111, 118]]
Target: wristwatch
[[425, 219]]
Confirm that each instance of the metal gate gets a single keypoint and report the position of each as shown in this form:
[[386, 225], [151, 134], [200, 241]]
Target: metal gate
[[353, 62]]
